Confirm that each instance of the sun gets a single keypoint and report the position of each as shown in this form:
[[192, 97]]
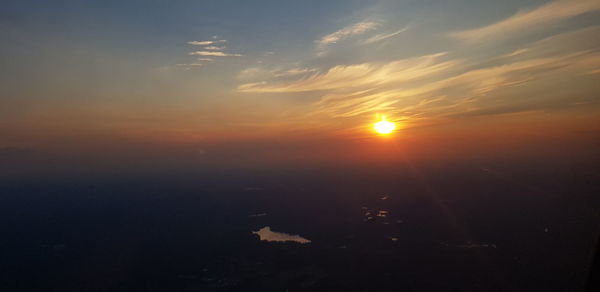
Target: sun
[[384, 127]]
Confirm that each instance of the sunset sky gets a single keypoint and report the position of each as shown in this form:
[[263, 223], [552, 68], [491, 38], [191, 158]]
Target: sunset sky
[[193, 81]]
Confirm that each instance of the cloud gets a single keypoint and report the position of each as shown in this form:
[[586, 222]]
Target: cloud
[[214, 48], [359, 75], [254, 72], [266, 234], [205, 43], [215, 54], [346, 32], [524, 21], [191, 65], [262, 73], [293, 72], [381, 37], [209, 50], [584, 39], [516, 52], [457, 95], [355, 29], [441, 86], [446, 85], [200, 43]]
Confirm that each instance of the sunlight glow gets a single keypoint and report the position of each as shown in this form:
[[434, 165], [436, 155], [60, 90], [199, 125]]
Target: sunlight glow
[[384, 127]]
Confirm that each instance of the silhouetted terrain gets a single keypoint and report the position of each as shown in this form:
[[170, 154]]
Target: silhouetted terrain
[[466, 227]]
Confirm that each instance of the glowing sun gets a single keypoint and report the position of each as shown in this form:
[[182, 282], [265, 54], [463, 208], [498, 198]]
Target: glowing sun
[[384, 127]]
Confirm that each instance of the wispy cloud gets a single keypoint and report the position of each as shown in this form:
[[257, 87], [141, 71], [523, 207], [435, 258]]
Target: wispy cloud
[[253, 72], [352, 76], [293, 72], [381, 37], [344, 33], [355, 29], [191, 65], [212, 53], [214, 48], [211, 49], [524, 21], [262, 73], [460, 94], [205, 43], [440, 85]]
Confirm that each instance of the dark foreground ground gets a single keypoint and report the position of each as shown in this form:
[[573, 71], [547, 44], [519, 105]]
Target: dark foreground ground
[[469, 227]]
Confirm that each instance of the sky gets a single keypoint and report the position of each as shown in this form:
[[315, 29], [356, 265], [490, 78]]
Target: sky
[[233, 82]]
